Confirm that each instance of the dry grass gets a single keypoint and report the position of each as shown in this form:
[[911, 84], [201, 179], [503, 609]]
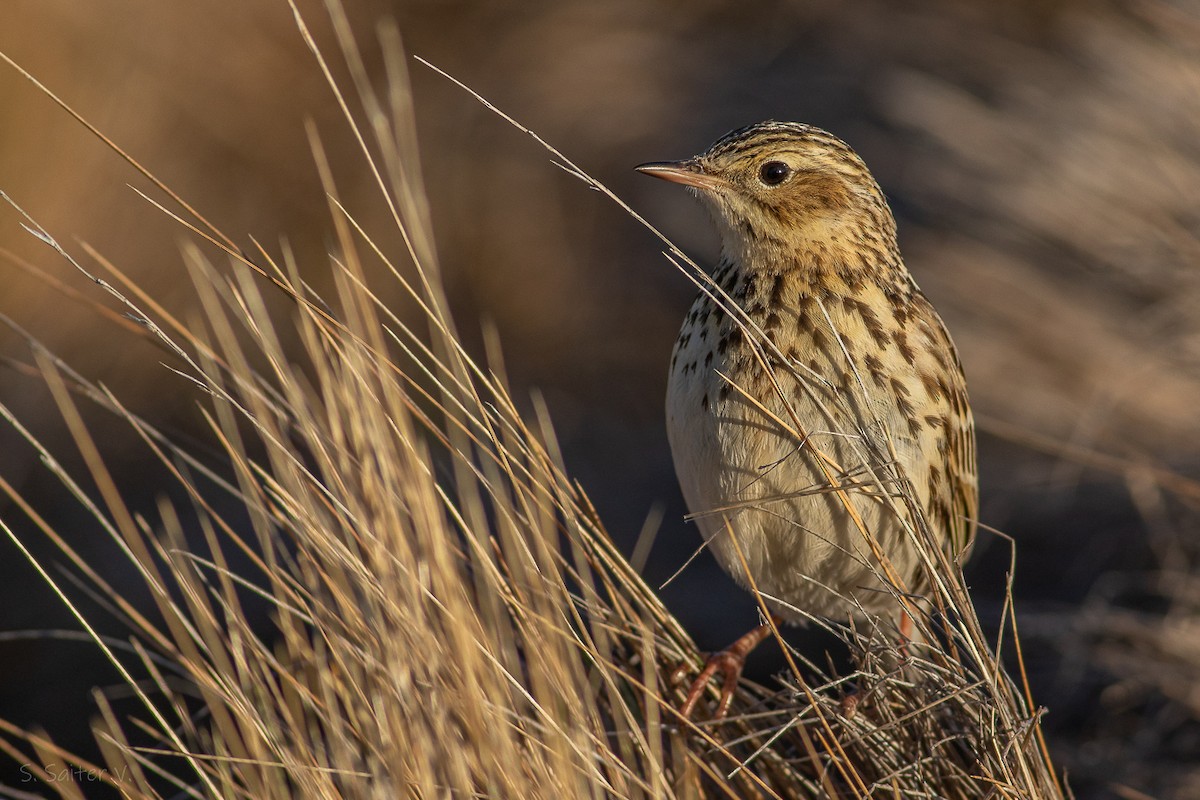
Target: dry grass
[[448, 615]]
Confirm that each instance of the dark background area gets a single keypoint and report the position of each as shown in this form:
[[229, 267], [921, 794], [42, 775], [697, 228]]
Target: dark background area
[[1042, 158]]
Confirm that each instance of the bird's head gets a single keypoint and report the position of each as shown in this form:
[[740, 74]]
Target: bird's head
[[779, 187]]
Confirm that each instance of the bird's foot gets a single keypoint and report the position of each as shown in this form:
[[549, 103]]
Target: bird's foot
[[848, 705], [729, 662]]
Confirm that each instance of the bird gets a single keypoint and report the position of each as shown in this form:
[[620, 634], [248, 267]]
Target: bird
[[816, 406]]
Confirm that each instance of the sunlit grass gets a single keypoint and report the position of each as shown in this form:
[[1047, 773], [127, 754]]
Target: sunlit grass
[[448, 615]]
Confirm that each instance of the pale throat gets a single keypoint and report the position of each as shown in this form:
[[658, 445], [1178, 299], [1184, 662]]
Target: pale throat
[[812, 247]]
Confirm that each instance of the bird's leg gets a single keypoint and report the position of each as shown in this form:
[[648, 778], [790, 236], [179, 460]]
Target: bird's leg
[[906, 630], [848, 705], [729, 662]]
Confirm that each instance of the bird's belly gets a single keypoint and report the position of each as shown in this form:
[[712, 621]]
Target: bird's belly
[[757, 477]]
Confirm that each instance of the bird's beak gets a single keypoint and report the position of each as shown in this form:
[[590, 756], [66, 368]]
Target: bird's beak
[[689, 173]]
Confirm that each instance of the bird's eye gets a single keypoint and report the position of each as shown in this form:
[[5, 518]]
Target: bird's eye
[[774, 173]]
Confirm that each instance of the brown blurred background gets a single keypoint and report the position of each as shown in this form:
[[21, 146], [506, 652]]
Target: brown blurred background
[[1043, 160]]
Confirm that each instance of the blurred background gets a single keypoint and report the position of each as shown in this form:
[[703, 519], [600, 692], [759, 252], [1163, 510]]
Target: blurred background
[[1042, 158]]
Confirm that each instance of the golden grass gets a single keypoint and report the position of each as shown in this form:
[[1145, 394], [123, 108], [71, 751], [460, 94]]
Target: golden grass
[[448, 615]]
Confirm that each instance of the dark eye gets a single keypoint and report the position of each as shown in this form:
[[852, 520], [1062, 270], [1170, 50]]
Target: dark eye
[[774, 173]]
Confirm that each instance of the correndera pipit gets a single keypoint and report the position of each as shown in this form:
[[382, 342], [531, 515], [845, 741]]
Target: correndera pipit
[[811, 383]]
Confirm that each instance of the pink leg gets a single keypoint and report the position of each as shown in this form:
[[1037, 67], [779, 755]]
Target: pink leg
[[906, 629], [729, 662], [906, 626]]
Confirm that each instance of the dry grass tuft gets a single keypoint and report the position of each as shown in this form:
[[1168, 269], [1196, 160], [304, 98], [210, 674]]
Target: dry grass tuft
[[448, 616]]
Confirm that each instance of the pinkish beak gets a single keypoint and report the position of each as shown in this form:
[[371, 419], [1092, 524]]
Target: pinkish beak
[[689, 173]]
